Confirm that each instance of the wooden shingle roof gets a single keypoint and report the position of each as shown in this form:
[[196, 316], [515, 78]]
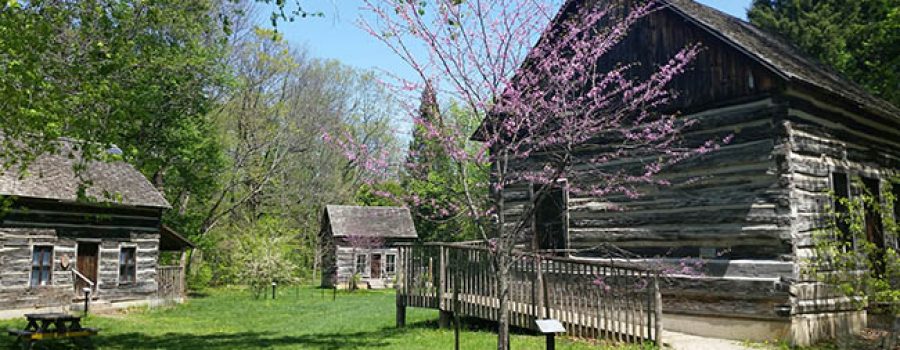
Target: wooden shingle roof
[[51, 176], [387, 222]]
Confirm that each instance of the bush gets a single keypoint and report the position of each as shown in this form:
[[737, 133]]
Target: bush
[[354, 282], [264, 252]]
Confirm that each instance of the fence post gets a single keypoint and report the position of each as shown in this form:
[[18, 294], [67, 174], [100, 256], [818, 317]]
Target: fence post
[[546, 293], [456, 282], [401, 291], [658, 310], [651, 311], [537, 289], [442, 277]]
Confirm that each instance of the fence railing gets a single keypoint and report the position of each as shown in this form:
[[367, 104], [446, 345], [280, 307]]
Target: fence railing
[[592, 299], [170, 282]]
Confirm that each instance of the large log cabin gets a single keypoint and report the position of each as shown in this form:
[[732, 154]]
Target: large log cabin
[[54, 243], [799, 131]]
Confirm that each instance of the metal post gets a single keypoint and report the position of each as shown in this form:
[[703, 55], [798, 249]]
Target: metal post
[[273, 290], [87, 299], [550, 327]]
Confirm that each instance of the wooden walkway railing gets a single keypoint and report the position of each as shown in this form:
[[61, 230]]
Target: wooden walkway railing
[[591, 299]]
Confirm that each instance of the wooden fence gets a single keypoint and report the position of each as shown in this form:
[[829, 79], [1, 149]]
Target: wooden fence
[[170, 283], [592, 299]]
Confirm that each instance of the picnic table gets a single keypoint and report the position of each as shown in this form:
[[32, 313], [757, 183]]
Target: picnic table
[[54, 325]]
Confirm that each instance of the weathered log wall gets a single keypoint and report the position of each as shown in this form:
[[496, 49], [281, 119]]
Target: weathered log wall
[[346, 261], [822, 139], [15, 269], [730, 204], [147, 258], [16, 247]]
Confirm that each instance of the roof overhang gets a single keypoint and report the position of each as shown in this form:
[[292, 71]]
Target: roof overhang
[[171, 241]]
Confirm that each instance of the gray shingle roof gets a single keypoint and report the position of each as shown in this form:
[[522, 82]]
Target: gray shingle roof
[[780, 56], [388, 222], [51, 176]]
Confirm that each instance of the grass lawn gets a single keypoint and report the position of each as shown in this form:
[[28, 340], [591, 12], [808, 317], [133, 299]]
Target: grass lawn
[[300, 318]]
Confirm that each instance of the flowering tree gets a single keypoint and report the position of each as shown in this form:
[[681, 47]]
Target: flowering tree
[[543, 100]]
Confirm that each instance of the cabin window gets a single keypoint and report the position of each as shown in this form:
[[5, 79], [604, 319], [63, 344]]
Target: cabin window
[[390, 264], [840, 185], [41, 266], [361, 260], [127, 265]]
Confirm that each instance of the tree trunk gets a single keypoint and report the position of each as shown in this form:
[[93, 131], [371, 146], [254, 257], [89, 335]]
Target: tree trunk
[[503, 296]]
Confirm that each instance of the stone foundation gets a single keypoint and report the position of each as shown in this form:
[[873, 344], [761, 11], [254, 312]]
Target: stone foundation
[[741, 329]]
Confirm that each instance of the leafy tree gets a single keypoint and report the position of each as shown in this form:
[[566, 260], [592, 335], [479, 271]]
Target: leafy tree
[[371, 195], [134, 74], [859, 38], [432, 179], [276, 164], [263, 254], [864, 268]]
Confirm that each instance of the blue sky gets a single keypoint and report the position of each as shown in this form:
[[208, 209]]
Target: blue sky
[[336, 35]]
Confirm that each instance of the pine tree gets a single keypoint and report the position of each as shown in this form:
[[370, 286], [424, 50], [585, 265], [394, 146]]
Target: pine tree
[[432, 176], [859, 38], [424, 154]]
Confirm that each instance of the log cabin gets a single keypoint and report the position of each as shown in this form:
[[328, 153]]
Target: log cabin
[[362, 240], [799, 131], [54, 243]]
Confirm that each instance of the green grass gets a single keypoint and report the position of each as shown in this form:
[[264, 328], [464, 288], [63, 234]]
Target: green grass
[[301, 318]]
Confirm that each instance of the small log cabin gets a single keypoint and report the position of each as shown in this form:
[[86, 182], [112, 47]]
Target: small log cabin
[[362, 240], [53, 244], [799, 131]]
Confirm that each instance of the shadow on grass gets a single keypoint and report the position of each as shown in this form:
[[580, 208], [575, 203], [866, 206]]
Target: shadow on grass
[[242, 340], [197, 294]]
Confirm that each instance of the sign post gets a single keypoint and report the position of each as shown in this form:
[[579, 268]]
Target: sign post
[[550, 328]]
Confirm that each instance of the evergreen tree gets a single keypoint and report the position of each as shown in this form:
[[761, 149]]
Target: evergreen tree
[[860, 38], [430, 175], [424, 154]]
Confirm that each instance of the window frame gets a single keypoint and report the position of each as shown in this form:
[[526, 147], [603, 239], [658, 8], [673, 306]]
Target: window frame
[[39, 266], [361, 271], [127, 265], [390, 260]]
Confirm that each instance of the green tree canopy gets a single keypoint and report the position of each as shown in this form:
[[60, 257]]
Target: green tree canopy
[[135, 74], [860, 38]]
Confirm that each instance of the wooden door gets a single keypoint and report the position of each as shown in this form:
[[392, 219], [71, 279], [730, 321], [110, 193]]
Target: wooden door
[[88, 254], [376, 266]]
